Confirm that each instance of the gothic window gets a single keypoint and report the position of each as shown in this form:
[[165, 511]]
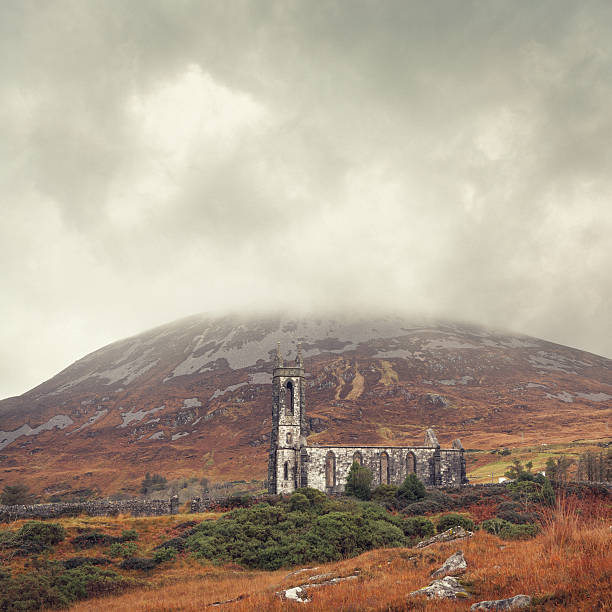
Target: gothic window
[[289, 398], [384, 468], [410, 463], [286, 470], [289, 438], [357, 458], [330, 470]]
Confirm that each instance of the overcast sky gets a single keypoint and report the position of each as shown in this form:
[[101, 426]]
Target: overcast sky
[[159, 159]]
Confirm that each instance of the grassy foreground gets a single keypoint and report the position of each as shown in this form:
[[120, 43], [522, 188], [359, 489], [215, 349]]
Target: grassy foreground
[[567, 566]]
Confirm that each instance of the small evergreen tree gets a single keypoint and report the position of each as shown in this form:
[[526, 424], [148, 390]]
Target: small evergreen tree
[[411, 490], [359, 481]]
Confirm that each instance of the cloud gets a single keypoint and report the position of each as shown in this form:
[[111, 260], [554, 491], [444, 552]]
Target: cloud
[[160, 159]]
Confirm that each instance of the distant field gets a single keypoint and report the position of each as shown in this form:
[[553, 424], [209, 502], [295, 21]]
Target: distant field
[[483, 466]]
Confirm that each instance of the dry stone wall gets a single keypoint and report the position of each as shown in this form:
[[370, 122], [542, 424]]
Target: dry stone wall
[[135, 507]]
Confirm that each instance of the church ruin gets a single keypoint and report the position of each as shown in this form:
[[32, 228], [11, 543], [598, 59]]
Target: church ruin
[[293, 464]]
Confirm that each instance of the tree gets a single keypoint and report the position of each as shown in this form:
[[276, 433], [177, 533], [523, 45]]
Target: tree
[[152, 483], [557, 468], [15, 495], [518, 471], [359, 481], [411, 490]]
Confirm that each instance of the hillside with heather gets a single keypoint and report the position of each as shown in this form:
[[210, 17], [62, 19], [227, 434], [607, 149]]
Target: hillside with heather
[[192, 398]]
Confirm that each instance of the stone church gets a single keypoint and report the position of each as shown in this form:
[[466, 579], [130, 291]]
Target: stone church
[[293, 464]]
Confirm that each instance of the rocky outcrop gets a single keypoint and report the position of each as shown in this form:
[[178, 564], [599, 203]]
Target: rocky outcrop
[[300, 593], [453, 566], [512, 603], [445, 588], [454, 533]]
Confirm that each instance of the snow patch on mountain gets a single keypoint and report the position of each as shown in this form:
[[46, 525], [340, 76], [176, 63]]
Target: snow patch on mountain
[[129, 417], [96, 417], [59, 421]]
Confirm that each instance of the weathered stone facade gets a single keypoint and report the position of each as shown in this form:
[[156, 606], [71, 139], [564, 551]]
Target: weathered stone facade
[[293, 464]]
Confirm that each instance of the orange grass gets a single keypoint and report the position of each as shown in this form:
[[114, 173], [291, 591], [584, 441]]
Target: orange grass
[[568, 566]]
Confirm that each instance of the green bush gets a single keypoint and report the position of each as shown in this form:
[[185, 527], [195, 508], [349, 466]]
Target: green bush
[[129, 535], [359, 481], [385, 494], [422, 507], [299, 502], [138, 563], [34, 537], [91, 539], [269, 537], [50, 585], [417, 528], [78, 561], [164, 554], [454, 520], [509, 531], [411, 490], [123, 549]]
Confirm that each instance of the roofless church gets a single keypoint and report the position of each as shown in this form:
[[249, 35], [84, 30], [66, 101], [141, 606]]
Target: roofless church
[[293, 464]]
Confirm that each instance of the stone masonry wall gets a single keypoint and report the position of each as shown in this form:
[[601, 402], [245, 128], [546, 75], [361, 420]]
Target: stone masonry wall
[[449, 465], [135, 507]]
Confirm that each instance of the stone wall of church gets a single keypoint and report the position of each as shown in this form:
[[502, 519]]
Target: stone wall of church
[[327, 467]]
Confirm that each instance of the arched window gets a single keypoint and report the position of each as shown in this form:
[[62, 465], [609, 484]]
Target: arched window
[[289, 438], [384, 468], [289, 398], [286, 470], [330, 470], [410, 463], [357, 458]]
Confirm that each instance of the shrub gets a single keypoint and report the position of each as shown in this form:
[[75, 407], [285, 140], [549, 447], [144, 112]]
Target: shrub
[[50, 585], [91, 539], [509, 531], [269, 537], [123, 549], [34, 537], [445, 501], [418, 527], [454, 520], [78, 561], [129, 535], [299, 502], [178, 544], [385, 494], [422, 507], [138, 563], [359, 481], [164, 554], [517, 518], [411, 490]]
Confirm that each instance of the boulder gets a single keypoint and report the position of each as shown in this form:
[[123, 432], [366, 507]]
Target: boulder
[[454, 533], [453, 566], [445, 588], [512, 603]]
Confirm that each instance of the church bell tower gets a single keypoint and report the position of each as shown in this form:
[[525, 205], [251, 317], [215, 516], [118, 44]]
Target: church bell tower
[[288, 424]]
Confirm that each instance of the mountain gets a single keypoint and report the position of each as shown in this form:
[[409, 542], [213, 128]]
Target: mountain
[[192, 398]]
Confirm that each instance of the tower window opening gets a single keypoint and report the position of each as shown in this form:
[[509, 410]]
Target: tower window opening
[[289, 438], [289, 398], [357, 458], [286, 470]]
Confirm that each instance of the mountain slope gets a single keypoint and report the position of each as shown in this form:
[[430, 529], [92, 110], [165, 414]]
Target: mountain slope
[[192, 398]]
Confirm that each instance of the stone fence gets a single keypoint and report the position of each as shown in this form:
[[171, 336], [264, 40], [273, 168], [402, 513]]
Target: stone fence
[[102, 507]]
